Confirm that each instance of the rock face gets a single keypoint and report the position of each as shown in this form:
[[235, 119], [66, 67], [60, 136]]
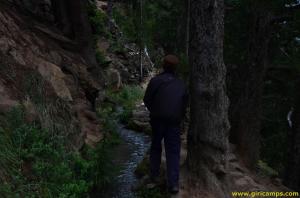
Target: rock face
[[122, 56], [36, 69], [40, 8], [126, 62]]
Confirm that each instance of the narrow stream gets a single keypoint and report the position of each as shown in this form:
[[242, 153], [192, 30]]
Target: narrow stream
[[127, 155]]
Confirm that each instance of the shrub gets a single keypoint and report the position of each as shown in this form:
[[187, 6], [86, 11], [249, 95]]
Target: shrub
[[126, 99], [97, 19], [265, 170], [101, 60], [37, 163], [128, 96], [127, 23], [117, 46], [150, 193]]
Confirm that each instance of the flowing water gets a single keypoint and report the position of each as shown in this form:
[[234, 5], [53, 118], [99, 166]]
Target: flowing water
[[127, 155]]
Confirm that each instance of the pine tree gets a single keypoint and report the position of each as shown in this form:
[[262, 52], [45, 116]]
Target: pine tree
[[208, 136]]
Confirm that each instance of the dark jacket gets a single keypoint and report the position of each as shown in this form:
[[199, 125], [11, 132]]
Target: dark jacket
[[166, 97]]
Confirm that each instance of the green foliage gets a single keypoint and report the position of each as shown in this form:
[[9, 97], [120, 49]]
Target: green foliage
[[163, 23], [128, 96], [37, 163], [118, 107], [284, 60], [127, 21], [150, 193], [97, 19], [239, 22], [126, 99], [100, 57], [266, 170], [117, 46], [103, 170]]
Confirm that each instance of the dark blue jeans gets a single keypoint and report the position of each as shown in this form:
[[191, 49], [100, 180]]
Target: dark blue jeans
[[170, 133]]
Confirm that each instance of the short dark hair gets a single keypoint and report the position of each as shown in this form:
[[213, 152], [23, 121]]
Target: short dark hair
[[170, 63]]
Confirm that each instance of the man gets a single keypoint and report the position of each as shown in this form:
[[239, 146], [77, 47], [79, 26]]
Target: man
[[166, 99]]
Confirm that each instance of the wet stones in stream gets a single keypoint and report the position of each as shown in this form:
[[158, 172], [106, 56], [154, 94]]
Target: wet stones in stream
[[140, 119]]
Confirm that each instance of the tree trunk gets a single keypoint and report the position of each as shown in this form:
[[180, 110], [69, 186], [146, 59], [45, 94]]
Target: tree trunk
[[110, 11], [208, 135], [187, 36], [245, 108], [292, 175]]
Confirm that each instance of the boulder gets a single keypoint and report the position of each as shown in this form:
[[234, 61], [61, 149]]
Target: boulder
[[90, 125], [101, 5], [140, 119], [55, 77]]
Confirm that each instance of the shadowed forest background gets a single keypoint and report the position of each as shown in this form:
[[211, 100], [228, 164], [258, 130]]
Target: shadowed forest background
[[72, 79]]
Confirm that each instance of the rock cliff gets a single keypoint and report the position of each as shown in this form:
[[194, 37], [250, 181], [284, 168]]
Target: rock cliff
[[42, 68], [38, 71]]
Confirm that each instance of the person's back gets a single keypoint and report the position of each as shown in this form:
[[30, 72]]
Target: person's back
[[166, 99]]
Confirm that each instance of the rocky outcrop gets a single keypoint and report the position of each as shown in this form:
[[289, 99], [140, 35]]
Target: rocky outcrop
[[122, 55], [125, 62], [36, 69]]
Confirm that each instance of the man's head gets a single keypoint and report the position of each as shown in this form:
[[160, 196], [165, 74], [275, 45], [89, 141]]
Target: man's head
[[170, 63]]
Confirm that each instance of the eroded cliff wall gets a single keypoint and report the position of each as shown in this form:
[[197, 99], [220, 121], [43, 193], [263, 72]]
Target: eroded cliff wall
[[38, 71]]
